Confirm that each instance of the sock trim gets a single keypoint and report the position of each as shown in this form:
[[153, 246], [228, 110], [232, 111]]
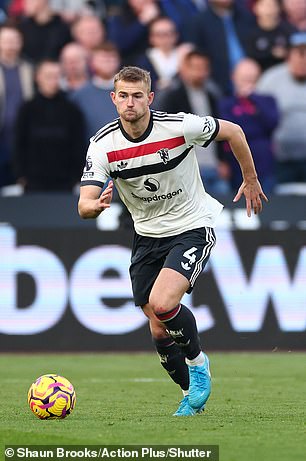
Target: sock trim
[[166, 316]]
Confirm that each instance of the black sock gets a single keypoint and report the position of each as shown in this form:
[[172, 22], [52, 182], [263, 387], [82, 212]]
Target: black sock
[[173, 361], [181, 326]]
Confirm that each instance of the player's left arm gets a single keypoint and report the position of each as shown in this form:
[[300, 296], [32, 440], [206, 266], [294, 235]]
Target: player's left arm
[[250, 187]]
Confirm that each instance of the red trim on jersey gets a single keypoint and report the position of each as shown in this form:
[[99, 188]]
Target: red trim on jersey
[[144, 149]]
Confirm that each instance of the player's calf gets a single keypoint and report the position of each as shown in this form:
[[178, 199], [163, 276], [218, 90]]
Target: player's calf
[[181, 326], [173, 361]]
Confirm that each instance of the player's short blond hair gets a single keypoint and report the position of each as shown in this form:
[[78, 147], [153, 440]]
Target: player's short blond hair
[[133, 74]]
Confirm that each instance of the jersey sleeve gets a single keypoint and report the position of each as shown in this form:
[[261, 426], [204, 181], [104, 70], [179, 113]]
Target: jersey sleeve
[[200, 130], [96, 169]]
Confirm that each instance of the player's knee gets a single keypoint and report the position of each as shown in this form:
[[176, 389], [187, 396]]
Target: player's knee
[[156, 306], [151, 309], [160, 309], [160, 304]]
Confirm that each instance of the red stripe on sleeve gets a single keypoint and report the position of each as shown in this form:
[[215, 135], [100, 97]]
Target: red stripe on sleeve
[[144, 149]]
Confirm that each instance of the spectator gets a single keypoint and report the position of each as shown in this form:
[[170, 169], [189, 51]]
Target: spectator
[[295, 13], [44, 33], [94, 97], [129, 28], [258, 117], [194, 93], [162, 58], [74, 67], [71, 10], [287, 83], [268, 40], [89, 32], [221, 32], [16, 85], [181, 11], [49, 136], [15, 9]]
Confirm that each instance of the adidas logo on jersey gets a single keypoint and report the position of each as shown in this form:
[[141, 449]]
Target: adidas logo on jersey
[[122, 165]]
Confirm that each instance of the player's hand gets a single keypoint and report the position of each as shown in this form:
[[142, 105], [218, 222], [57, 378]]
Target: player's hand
[[105, 198], [253, 195]]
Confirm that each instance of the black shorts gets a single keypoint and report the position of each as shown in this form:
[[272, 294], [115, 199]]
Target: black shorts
[[186, 253]]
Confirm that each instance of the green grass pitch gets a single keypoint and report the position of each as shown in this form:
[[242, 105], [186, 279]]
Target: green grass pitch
[[256, 411]]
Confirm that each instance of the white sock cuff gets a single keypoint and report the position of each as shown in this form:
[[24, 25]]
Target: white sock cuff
[[197, 361]]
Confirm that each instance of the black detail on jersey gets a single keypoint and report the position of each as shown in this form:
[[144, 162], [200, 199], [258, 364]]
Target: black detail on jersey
[[159, 112], [206, 143], [151, 184], [143, 136], [92, 183], [156, 198], [106, 130], [167, 114], [151, 169], [168, 120]]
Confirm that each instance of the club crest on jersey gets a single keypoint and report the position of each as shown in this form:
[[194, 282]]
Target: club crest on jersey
[[122, 165], [164, 155]]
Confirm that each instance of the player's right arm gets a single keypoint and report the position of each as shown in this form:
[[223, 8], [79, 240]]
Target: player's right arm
[[95, 174], [92, 202]]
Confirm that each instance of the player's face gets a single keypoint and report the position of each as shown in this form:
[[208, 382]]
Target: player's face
[[132, 100]]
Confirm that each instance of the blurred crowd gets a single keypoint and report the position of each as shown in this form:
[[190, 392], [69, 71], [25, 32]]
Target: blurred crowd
[[242, 60]]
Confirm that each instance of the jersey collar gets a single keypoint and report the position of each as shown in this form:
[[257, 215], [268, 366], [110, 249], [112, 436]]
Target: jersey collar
[[143, 136]]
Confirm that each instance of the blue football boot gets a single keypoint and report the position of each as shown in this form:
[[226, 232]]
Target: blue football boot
[[200, 385], [184, 408]]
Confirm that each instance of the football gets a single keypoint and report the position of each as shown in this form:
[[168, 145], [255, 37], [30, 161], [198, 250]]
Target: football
[[51, 397]]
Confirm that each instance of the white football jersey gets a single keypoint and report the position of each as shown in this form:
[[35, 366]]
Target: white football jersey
[[156, 175]]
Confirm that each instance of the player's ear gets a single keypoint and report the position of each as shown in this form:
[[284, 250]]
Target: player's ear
[[150, 98], [113, 96]]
